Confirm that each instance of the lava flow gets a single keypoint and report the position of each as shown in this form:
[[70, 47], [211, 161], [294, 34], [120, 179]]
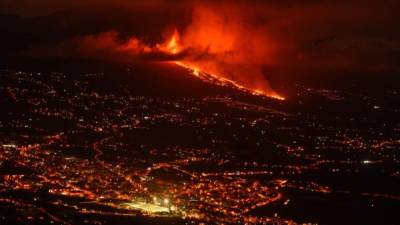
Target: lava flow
[[173, 46], [221, 81]]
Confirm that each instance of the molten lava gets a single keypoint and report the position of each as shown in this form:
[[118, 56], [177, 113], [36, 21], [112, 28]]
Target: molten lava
[[173, 46]]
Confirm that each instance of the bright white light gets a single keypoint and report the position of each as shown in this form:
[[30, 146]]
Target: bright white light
[[366, 162], [166, 201]]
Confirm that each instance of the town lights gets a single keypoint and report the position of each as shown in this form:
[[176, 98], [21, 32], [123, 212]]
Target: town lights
[[166, 201]]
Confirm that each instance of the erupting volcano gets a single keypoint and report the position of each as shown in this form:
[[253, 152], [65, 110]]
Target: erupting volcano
[[216, 46], [202, 70]]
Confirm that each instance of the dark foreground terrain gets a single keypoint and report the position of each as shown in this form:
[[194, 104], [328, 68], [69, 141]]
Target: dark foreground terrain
[[89, 145]]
